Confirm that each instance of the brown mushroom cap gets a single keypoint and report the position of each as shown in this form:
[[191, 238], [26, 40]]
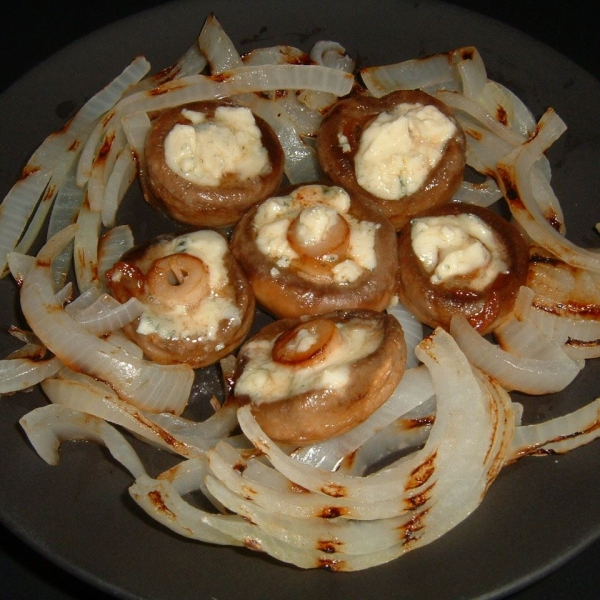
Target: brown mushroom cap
[[203, 205], [435, 303], [351, 116], [306, 286], [318, 414], [151, 270]]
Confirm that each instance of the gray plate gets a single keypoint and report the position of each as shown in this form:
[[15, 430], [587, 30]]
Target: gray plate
[[539, 512]]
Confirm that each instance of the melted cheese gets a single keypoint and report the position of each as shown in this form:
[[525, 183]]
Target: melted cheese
[[458, 245], [399, 148], [201, 322], [264, 380], [317, 205], [209, 149]]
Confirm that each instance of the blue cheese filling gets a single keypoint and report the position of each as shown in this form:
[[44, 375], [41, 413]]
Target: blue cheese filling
[[399, 148], [458, 245], [316, 206], [200, 322], [207, 150], [265, 380]]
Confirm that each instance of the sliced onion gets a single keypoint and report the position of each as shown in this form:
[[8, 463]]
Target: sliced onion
[[515, 181], [413, 331], [23, 373], [527, 374], [84, 394], [48, 426], [558, 435]]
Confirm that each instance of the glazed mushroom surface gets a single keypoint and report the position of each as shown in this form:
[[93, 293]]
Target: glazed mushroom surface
[[405, 151], [198, 303], [315, 249], [311, 378], [207, 162], [461, 259]]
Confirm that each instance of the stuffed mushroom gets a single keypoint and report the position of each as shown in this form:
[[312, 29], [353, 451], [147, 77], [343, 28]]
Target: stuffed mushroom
[[198, 303], [405, 152], [207, 162], [314, 377], [461, 259], [315, 249]]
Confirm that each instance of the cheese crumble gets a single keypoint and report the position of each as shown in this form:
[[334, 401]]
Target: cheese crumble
[[458, 245], [399, 149], [207, 150]]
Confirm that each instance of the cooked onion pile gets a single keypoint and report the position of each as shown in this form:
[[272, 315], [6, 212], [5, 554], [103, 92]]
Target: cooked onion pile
[[421, 462]]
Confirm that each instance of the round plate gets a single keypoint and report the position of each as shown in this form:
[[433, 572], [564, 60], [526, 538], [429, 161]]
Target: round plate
[[539, 512]]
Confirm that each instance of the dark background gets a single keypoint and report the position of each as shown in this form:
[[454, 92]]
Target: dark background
[[32, 31]]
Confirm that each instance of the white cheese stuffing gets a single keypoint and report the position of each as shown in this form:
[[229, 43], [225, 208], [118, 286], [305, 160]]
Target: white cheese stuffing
[[315, 221], [455, 245], [202, 321], [344, 143], [399, 148], [209, 149], [265, 380], [317, 207]]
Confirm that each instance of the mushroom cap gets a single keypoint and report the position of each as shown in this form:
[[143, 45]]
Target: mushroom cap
[[435, 303], [351, 116], [203, 205], [313, 415], [307, 287]]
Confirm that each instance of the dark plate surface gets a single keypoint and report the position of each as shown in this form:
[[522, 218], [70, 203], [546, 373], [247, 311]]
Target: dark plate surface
[[538, 514]]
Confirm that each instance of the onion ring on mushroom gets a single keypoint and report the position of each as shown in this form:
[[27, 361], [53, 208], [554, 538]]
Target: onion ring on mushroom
[[315, 249]]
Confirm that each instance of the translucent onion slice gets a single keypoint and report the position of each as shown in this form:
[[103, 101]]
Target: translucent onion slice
[[85, 247], [413, 331], [482, 194], [146, 385], [112, 245], [515, 181], [559, 435], [84, 394], [217, 47], [106, 314], [48, 426], [22, 373], [515, 373], [331, 54], [430, 72]]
